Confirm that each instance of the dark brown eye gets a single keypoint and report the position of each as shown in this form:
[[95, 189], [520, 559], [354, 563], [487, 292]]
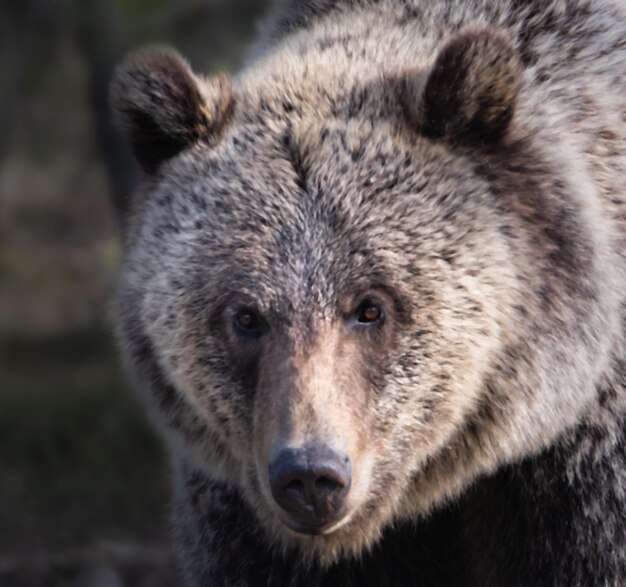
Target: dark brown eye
[[368, 313], [247, 321]]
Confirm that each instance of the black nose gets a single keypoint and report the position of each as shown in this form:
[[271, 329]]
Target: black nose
[[311, 485]]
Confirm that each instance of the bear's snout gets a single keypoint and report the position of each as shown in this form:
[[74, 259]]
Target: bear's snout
[[310, 484]]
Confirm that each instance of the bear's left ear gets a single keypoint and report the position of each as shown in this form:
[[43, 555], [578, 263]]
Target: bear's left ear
[[471, 90], [164, 107]]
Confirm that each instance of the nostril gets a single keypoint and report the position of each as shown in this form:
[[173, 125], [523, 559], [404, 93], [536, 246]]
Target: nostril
[[327, 485], [294, 486]]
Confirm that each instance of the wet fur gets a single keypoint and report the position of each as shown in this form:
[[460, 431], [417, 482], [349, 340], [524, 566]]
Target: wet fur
[[494, 221]]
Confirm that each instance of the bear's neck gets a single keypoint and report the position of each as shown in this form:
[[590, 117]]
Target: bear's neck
[[558, 517]]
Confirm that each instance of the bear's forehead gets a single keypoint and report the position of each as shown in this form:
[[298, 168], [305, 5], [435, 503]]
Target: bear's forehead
[[334, 177], [306, 208], [259, 225], [335, 181]]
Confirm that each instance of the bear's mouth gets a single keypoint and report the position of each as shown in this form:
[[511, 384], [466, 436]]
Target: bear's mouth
[[307, 530], [314, 529]]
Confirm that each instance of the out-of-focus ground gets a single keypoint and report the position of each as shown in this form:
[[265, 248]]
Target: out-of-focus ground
[[83, 479]]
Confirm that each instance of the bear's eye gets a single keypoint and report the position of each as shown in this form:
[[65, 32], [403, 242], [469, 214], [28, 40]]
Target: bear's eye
[[247, 321], [369, 312]]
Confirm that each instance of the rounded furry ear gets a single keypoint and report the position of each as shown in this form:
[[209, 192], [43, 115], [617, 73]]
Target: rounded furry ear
[[471, 91], [164, 107]]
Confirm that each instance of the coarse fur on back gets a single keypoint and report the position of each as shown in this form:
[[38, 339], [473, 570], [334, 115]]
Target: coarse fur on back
[[396, 238]]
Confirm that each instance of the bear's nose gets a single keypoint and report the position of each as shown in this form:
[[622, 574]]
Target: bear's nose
[[311, 485]]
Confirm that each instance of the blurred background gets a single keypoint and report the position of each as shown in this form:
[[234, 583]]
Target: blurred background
[[83, 479]]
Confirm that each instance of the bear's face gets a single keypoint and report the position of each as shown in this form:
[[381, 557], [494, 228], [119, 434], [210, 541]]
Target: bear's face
[[315, 298], [340, 298]]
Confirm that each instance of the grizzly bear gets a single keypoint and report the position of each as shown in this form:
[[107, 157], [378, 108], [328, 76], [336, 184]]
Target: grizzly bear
[[374, 290]]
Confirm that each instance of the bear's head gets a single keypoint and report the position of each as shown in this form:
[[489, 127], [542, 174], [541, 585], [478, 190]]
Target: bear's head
[[351, 292]]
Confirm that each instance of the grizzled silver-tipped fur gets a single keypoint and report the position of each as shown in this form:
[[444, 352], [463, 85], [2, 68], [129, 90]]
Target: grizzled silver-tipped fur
[[396, 237]]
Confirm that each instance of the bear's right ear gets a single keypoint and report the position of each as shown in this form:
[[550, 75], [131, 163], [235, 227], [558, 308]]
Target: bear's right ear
[[470, 92], [164, 107]]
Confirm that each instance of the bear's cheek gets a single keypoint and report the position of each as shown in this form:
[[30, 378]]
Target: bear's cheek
[[202, 369], [435, 376]]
